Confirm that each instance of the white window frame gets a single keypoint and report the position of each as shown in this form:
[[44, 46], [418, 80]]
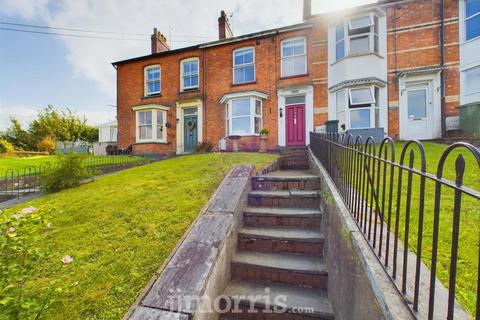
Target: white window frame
[[182, 74], [372, 34], [154, 126], [465, 22], [235, 66], [344, 40], [283, 57], [146, 81], [252, 116], [373, 107], [372, 95]]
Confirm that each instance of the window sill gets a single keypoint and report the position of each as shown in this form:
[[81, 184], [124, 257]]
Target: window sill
[[360, 54], [295, 76], [151, 142], [470, 40], [156, 95], [244, 135], [243, 83], [188, 90]]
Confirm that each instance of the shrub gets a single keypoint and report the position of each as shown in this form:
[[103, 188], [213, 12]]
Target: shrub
[[47, 144], [6, 148], [265, 131], [205, 147], [20, 253], [67, 172]]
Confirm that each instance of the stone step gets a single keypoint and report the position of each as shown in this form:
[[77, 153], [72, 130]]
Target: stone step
[[286, 180], [297, 162], [300, 270], [287, 240], [284, 198], [285, 300], [281, 217]]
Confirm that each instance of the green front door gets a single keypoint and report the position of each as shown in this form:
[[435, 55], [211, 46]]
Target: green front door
[[190, 130]]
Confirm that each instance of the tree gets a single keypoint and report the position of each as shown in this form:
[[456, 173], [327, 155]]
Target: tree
[[20, 138]]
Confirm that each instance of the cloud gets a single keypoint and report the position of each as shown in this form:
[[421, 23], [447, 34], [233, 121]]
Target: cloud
[[185, 20]]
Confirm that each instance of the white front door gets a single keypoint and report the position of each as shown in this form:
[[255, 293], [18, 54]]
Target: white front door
[[417, 112]]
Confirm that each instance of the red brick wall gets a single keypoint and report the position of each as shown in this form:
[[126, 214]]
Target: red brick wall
[[414, 41]]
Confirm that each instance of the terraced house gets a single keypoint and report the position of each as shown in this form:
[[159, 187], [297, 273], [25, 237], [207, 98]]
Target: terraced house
[[406, 68]]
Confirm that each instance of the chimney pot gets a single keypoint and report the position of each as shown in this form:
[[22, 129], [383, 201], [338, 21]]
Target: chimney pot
[[307, 9]]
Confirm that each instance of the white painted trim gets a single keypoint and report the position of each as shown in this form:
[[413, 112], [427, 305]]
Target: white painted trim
[[145, 79], [243, 65], [182, 88], [150, 107], [181, 106], [295, 91], [282, 57], [433, 79], [154, 125], [243, 94]]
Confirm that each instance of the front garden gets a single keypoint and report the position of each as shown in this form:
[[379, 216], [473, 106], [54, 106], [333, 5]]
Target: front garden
[[105, 239]]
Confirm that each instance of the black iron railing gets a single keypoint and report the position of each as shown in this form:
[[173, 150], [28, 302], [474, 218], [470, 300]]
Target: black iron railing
[[17, 182], [400, 208]]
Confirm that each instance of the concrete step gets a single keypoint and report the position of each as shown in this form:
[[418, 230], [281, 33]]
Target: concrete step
[[284, 198], [280, 217], [286, 180], [295, 269], [287, 301], [287, 239]]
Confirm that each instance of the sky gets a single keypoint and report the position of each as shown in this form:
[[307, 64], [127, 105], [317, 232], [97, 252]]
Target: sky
[[76, 72]]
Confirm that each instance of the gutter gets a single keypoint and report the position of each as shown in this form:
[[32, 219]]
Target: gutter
[[442, 64]]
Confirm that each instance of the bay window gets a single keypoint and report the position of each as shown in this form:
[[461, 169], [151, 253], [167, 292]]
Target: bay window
[[244, 116], [293, 57], [151, 125], [362, 35], [472, 19], [244, 65], [472, 80], [152, 80], [189, 74], [357, 108]]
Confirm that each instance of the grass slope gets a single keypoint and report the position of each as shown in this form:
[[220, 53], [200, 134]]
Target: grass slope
[[7, 163], [467, 272], [120, 228]]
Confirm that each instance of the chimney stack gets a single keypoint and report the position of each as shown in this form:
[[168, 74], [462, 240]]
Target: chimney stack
[[224, 27], [159, 42], [307, 9]]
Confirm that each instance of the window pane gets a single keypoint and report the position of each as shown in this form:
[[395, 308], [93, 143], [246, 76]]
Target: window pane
[[339, 32], [361, 96], [153, 73], [186, 81], [287, 49], [375, 43], [194, 66], [359, 44], [160, 125], [145, 117], [194, 81], [258, 107], [473, 27], [241, 125], [360, 118], [145, 132], [249, 73], [472, 80], [243, 56], [300, 67], [340, 98], [240, 107], [472, 7], [186, 67], [258, 123], [294, 100], [360, 22], [340, 50], [377, 118], [417, 104], [153, 87], [341, 120], [299, 48], [288, 65]]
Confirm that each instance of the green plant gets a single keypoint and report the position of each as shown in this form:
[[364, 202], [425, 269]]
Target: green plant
[[47, 144], [205, 147], [67, 172], [20, 253], [264, 131], [6, 148]]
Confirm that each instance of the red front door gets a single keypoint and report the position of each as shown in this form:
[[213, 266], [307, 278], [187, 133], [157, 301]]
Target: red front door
[[295, 123]]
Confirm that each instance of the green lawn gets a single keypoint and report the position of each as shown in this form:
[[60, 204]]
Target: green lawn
[[20, 163], [467, 271], [120, 228]]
